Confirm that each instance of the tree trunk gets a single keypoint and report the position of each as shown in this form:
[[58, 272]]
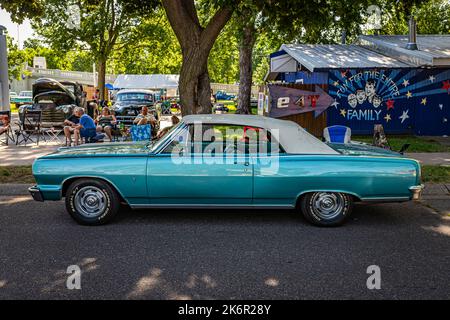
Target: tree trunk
[[194, 85], [246, 45], [196, 42], [101, 80]]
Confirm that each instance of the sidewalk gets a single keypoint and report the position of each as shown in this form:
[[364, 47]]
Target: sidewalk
[[13, 155], [431, 158], [444, 140], [437, 197]]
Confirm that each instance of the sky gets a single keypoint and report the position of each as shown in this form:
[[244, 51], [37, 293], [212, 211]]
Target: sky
[[22, 32]]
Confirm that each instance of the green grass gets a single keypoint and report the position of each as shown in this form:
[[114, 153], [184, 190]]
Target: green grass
[[437, 174], [417, 144], [19, 174]]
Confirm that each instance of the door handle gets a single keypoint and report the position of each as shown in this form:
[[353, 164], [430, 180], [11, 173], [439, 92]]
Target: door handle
[[246, 163]]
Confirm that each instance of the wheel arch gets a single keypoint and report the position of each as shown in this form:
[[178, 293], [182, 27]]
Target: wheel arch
[[68, 181], [355, 197]]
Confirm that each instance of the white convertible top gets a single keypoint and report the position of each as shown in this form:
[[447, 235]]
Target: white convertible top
[[292, 137]]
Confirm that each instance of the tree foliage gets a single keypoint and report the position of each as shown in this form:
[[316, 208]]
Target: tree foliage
[[155, 51], [99, 26], [432, 16], [196, 39], [17, 60], [22, 9], [146, 42]]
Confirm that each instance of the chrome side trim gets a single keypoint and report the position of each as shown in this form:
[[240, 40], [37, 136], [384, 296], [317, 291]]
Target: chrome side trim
[[386, 199], [205, 206]]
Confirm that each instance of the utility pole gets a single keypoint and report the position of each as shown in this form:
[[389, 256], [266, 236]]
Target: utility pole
[[4, 78], [18, 36]]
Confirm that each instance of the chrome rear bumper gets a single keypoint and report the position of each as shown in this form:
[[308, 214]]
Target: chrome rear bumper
[[36, 193], [416, 191]]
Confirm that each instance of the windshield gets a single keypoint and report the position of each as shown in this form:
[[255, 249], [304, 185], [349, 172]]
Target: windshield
[[168, 135], [135, 96]]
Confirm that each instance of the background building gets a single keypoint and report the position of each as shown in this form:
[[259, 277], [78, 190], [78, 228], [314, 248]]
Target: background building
[[376, 81]]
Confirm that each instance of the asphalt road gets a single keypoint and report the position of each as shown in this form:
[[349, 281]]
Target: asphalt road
[[221, 255]]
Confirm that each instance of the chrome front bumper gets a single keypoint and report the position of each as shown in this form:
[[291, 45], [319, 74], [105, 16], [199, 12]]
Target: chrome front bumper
[[416, 191], [36, 193]]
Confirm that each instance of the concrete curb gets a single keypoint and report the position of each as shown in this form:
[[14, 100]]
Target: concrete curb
[[14, 189]]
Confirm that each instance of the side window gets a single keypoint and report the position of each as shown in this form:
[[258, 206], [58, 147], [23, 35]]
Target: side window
[[214, 139], [232, 139]]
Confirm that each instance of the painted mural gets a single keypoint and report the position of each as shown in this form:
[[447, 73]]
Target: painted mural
[[402, 100]]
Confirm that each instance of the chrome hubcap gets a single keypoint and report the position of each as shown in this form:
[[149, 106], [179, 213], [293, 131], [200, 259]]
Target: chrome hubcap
[[90, 201], [327, 205]]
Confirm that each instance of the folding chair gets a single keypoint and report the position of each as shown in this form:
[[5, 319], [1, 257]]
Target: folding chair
[[337, 134], [29, 126], [166, 108], [5, 127], [141, 133], [52, 124]]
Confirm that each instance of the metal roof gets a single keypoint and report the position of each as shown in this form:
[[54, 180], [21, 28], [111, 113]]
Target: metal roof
[[292, 137], [146, 81], [434, 50], [323, 57]]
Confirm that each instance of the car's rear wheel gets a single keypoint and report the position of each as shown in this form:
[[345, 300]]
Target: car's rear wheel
[[326, 209], [92, 202]]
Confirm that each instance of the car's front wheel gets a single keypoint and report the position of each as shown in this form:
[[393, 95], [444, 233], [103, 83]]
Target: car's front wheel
[[92, 202], [326, 209]]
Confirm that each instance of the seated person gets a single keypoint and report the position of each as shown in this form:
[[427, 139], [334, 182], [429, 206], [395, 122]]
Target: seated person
[[105, 122], [86, 128], [69, 127], [4, 123], [145, 118], [162, 132]]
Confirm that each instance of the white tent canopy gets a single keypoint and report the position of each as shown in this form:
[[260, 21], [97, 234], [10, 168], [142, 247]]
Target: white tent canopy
[[146, 81]]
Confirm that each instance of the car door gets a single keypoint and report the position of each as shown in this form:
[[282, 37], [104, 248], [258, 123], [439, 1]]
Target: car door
[[191, 171], [272, 172]]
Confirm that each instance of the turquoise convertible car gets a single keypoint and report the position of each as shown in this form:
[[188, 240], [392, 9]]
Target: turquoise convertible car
[[226, 161]]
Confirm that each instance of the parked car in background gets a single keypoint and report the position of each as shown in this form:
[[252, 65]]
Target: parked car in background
[[222, 95], [12, 96], [24, 97], [220, 108], [288, 169], [129, 102]]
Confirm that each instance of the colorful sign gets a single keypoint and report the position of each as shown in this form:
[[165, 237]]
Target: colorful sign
[[287, 101]]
